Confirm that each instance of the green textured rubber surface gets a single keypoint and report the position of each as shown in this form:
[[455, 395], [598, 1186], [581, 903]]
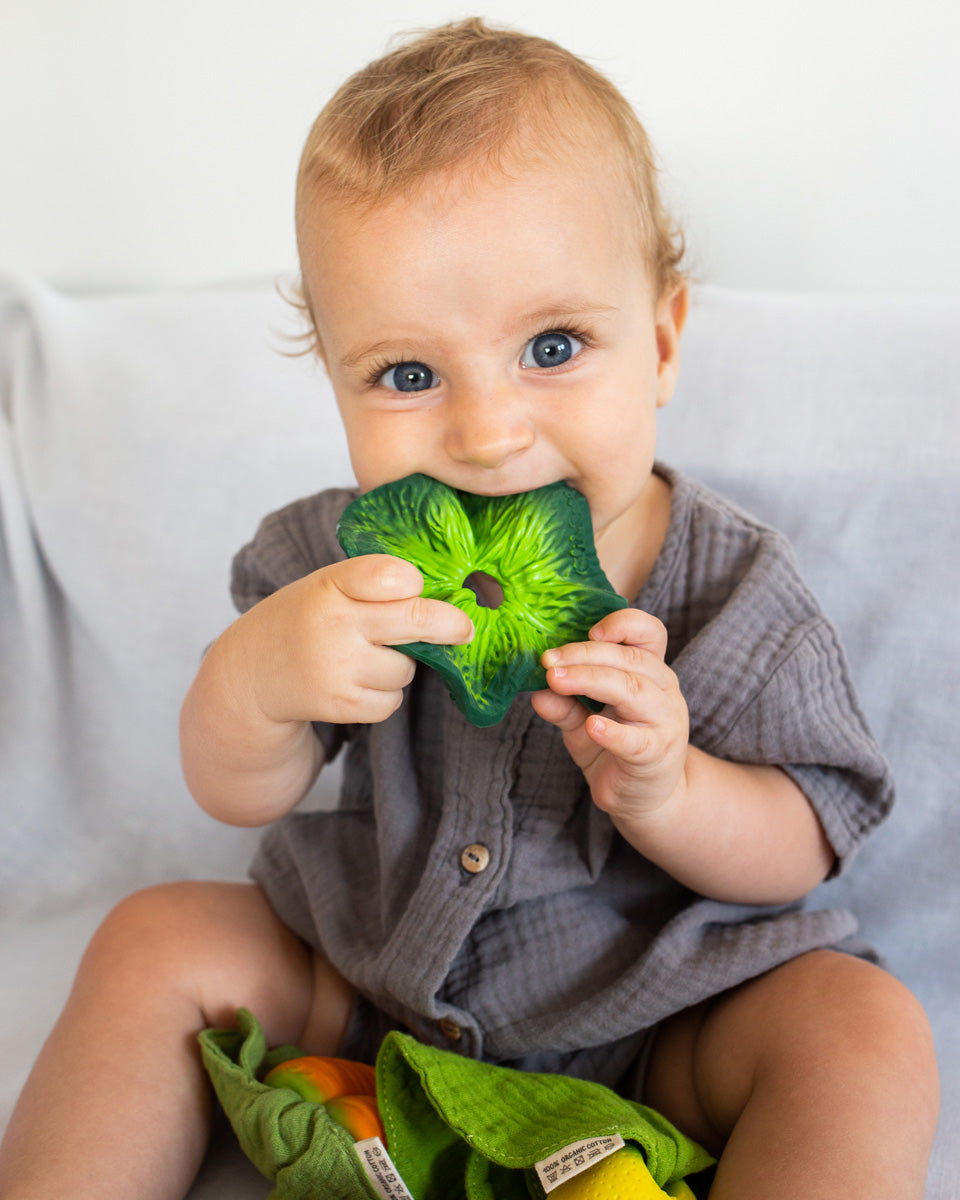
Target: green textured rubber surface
[[538, 546]]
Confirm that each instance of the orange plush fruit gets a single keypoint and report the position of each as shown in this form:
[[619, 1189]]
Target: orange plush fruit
[[359, 1116], [321, 1079], [345, 1088]]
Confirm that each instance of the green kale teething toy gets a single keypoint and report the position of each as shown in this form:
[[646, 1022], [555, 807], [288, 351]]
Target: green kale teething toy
[[524, 568]]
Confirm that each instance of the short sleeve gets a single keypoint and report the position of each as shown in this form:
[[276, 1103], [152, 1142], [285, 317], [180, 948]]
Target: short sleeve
[[765, 676], [289, 544], [806, 719]]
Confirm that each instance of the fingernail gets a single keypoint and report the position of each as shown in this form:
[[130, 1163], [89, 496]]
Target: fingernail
[[549, 657]]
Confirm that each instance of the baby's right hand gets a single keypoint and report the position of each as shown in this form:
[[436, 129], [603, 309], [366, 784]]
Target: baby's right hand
[[321, 649]]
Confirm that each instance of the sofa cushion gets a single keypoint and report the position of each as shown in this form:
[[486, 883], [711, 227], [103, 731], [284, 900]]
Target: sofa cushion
[[142, 437]]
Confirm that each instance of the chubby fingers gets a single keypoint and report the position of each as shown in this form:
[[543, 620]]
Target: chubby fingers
[[398, 613], [621, 666], [632, 627], [625, 677], [378, 577], [565, 712]]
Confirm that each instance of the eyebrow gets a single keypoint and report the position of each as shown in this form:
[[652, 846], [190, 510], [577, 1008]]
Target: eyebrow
[[538, 316], [378, 350], [566, 312]]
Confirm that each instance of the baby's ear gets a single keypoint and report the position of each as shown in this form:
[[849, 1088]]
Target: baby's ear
[[670, 319]]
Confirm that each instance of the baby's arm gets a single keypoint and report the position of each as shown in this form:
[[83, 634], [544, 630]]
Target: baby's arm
[[731, 831], [319, 649]]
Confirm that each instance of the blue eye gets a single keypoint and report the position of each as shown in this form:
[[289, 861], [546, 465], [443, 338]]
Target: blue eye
[[409, 377], [551, 349]]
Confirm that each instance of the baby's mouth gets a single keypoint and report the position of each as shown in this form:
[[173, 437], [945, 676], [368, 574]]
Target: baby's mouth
[[494, 491]]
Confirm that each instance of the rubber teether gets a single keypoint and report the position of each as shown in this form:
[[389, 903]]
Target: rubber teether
[[523, 567]]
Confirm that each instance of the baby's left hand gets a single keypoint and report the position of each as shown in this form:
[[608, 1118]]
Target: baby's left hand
[[633, 753]]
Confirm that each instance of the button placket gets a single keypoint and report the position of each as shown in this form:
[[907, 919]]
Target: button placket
[[414, 966]]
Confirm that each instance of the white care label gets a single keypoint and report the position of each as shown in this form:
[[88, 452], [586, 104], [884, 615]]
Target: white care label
[[572, 1159], [380, 1169]]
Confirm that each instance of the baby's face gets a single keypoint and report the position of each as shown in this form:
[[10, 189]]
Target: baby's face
[[498, 337]]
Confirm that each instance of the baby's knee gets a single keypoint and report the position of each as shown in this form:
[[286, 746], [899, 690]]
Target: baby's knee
[[860, 1022], [186, 935], [863, 1003], [152, 933], [824, 1025], [211, 947]]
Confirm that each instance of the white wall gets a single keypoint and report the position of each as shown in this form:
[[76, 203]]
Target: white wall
[[807, 145]]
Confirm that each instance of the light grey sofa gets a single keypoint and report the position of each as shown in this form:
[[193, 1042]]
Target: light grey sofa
[[141, 438]]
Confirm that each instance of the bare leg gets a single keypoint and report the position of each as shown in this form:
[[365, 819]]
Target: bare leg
[[117, 1104], [816, 1080]]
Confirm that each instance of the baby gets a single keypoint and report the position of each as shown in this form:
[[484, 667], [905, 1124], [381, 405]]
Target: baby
[[493, 286]]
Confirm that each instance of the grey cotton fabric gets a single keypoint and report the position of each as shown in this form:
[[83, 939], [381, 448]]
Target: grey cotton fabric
[[569, 947]]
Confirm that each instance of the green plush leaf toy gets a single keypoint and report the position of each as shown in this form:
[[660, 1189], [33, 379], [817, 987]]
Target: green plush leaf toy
[[453, 1128], [523, 567]]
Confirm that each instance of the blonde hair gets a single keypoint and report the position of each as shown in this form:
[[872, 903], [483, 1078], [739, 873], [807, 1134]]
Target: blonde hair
[[460, 95]]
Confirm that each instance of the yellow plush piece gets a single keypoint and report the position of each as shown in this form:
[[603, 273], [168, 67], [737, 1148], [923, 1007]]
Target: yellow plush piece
[[621, 1176]]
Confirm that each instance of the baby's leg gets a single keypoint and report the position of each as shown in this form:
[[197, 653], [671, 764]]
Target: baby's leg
[[118, 1104], [816, 1080]]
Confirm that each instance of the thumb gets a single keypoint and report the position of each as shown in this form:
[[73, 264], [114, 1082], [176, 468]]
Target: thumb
[[377, 577]]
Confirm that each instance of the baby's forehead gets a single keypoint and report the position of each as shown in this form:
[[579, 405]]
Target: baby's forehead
[[490, 252], [592, 171]]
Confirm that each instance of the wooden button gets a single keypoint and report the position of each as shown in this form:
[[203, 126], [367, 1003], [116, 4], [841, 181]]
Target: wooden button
[[450, 1029], [475, 858]]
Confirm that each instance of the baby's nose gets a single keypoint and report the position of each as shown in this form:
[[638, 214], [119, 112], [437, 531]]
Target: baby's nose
[[487, 428]]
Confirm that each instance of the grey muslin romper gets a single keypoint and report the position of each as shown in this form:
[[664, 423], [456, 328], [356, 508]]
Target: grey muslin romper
[[468, 886]]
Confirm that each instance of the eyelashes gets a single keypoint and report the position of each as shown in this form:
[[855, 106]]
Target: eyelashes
[[551, 349], [407, 376], [382, 366], [545, 352]]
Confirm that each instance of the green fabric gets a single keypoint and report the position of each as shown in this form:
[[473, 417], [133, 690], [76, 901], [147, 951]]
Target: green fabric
[[293, 1142], [455, 1127], [451, 1119]]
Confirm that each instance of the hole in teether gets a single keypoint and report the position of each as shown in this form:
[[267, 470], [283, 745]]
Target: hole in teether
[[487, 590]]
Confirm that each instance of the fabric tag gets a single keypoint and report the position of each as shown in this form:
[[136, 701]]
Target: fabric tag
[[380, 1170], [573, 1159]]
